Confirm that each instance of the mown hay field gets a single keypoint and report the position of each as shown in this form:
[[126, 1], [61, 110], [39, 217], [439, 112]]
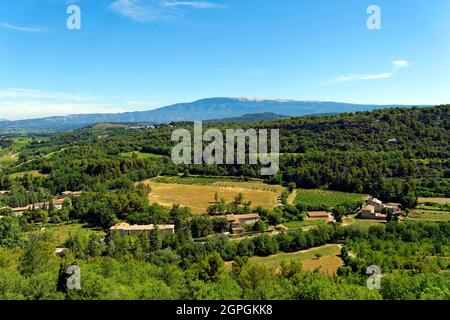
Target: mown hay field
[[200, 197]]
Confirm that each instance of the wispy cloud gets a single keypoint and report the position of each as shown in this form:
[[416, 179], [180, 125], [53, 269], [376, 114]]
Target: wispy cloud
[[18, 103], [135, 9], [396, 65], [19, 93], [400, 64], [150, 10], [5, 25], [355, 77], [193, 4]]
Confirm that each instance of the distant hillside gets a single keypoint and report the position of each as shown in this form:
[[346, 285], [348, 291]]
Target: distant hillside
[[206, 109], [248, 118], [106, 125]]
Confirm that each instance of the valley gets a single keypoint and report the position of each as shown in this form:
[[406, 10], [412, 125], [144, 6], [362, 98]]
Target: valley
[[110, 199]]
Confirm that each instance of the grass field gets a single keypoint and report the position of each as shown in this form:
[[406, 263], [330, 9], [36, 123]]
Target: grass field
[[199, 197], [362, 223], [429, 215], [202, 181], [7, 158], [434, 200], [10, 155], [303, 224], [330, 199], [328, 263], [33, 173], [140, 155], [62, 232]]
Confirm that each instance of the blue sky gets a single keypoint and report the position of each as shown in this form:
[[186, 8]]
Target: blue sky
[[142, 54]]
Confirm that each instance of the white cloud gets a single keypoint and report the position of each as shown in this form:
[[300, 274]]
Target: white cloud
[[400, 64], [136, 9], [22, 29], [397, 65], [150, 10], [17, 103], [18, 93], [356, 77], [194, 4]]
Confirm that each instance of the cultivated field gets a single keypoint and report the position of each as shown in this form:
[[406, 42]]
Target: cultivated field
[[328, 262], [430, 215], [434, 200], [199, 197], [362, 223], [330, 199], [220, 182]]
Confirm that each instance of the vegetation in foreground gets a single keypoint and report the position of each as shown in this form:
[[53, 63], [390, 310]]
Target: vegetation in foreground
[[413, 257]]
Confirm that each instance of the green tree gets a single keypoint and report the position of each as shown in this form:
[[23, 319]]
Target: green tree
[[10, 231], [211, 267], [38, 257]]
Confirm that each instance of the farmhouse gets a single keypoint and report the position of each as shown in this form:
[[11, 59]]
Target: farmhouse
[[376, 209], [377, 204], [58, 203], [318, 215], [19, 211], [368, 212], [71, 194], [236, 223], [394, 207], [126, 229]]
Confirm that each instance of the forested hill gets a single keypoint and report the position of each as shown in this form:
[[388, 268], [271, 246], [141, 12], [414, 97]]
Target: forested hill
[[423, 131], [395, 154]]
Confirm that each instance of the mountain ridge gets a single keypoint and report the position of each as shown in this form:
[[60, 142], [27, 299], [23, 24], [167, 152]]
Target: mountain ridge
[[204, 109]]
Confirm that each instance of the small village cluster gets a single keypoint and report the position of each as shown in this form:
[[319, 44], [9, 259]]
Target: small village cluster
[[57, 203], [373, 209], [236, 224]]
